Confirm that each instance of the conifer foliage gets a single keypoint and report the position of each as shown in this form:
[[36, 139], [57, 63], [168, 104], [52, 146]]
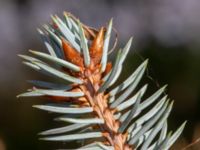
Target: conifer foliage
[[103, 115]]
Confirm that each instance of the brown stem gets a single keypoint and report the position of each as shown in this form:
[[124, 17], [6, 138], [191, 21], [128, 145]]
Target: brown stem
[[101, 109]]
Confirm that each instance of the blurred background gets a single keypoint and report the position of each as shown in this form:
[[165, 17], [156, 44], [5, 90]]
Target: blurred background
[[167, 32]]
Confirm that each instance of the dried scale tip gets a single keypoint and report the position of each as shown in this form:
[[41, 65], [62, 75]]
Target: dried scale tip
[[112, 117]]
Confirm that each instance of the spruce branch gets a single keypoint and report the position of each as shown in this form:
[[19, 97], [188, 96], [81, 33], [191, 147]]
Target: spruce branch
[[111, 117]]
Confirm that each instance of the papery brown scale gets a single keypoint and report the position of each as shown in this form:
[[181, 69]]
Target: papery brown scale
[[97, 47], [71, 54], [108, 68], [90, 33], [116, 125], [97, 78], [108, 119], [82, 99], [119, 142], [124, 137], [82, 104], [127, 147], [71, 72]]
